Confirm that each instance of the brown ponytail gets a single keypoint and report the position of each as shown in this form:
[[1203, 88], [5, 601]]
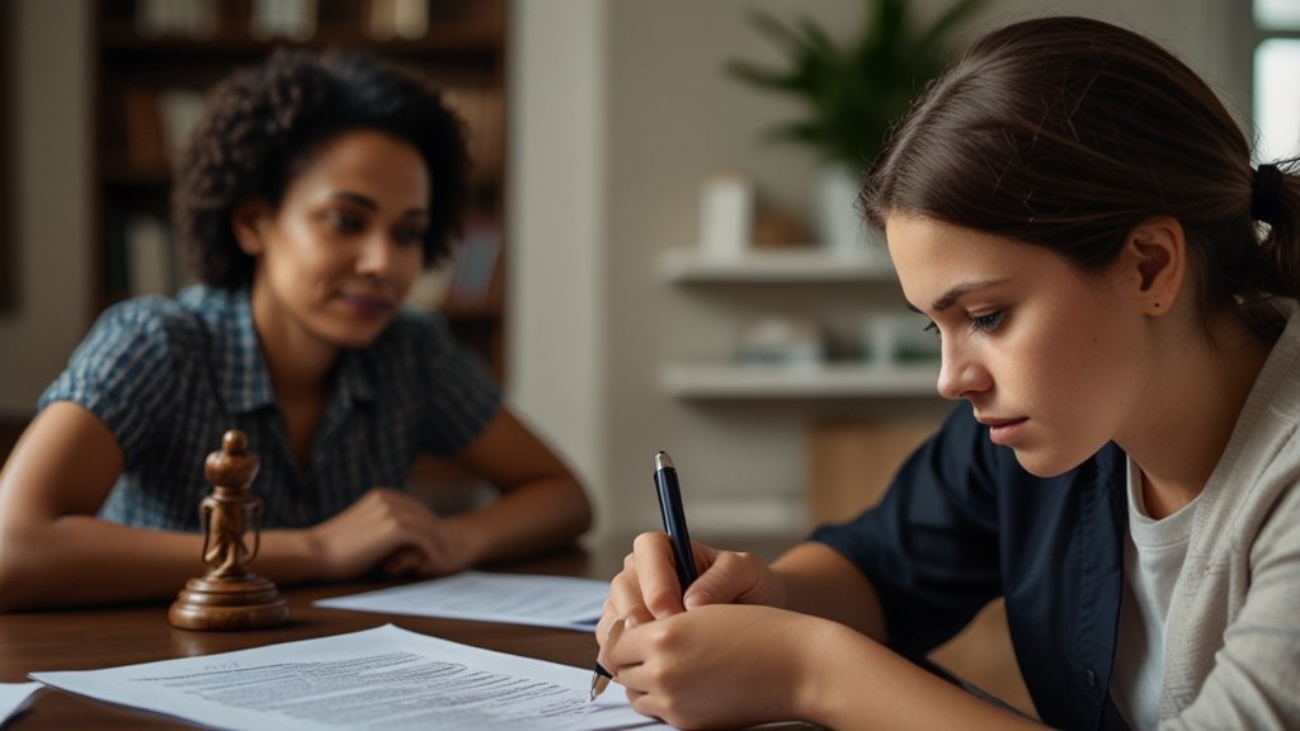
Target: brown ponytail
[[1275, 203]]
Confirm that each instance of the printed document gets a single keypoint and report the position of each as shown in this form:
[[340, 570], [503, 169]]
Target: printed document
[[383, 678], [543, 601], [13, 696]]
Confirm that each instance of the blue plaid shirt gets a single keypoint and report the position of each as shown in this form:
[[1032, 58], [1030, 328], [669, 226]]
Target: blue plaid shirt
[[170, 376]]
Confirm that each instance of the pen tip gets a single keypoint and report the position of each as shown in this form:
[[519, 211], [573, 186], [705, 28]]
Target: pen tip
[[663, 461]]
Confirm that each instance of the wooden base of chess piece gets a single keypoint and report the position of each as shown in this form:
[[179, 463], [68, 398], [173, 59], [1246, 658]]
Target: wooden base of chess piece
[[229, 596], [251, 602]]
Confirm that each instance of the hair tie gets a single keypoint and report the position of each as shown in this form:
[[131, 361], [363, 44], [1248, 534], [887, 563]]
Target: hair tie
[[1266, 194]]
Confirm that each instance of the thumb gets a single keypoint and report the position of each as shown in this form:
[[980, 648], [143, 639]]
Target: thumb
[[717, 585]]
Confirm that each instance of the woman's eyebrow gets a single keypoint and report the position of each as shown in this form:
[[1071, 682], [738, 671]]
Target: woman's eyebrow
[[368, 202], [950, 297]]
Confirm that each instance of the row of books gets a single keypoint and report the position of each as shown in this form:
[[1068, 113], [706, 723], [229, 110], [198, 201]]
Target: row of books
[[295, 20], [156, 123], [143, 258], [470, 278], [484, 116]]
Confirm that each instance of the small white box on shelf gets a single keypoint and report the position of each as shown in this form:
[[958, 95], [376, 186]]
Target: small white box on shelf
[[726, 215], [898, 337], [786, 341]]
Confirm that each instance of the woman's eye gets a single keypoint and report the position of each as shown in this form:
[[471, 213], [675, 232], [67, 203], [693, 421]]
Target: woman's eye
[[931, 328], [413, 236], [346, 222], [987, 323]]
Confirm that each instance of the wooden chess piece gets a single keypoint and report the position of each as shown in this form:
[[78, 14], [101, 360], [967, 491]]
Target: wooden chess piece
[[229, 596]]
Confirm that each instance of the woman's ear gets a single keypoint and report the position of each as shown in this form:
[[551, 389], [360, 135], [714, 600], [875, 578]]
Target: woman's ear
[[248, 221], [1155, 262]]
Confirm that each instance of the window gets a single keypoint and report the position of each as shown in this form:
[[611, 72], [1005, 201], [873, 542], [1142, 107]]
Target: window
[[1277, 79]]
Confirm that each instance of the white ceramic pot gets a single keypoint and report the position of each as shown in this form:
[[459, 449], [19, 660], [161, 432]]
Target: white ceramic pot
[[842, 229]]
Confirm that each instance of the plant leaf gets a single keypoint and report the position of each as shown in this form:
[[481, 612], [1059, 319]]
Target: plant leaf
[[950, 19]]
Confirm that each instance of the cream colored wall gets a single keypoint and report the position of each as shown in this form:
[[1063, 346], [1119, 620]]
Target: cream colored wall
[[51, 204]]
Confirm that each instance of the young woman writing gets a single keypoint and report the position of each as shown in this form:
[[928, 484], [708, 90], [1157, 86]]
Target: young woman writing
[[1114, 286]]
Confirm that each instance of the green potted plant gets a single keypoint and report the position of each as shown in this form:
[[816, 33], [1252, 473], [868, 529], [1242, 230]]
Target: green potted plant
[[854, 91]]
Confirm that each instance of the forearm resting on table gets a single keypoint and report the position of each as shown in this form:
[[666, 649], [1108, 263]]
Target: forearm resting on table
[[79, 561], [858, 683], [822, 582], [532, 518]]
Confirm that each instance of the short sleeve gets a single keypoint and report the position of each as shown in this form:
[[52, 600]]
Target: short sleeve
[[122, 373], [457, 392], [930, 547]]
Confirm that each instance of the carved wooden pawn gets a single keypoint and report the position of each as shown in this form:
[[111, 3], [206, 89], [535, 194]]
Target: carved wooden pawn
[[229, 596]]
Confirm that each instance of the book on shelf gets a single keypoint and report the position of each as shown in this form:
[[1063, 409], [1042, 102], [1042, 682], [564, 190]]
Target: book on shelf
[[482, 112], [474, 265], [292, 19], [144, 149], [404, 19], [148, 256], [157, 123], [195, 19], [467, 280], [180, 109]]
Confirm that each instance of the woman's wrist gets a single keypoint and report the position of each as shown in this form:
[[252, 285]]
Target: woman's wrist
[[823, 652], [466, 539], [294, 557]]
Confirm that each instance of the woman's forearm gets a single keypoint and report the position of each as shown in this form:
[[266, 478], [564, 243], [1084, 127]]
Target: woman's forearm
[[821, 582], [531, 518], [79, 561], [857, 683]]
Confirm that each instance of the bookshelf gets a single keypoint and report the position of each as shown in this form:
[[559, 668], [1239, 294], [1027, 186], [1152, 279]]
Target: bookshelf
[[154, 59]]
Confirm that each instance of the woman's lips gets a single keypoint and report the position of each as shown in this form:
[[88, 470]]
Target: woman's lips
[[1004, 431], [369, 306]]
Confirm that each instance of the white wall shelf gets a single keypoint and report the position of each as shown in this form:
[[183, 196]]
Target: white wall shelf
[[682, 265], [734, 381]]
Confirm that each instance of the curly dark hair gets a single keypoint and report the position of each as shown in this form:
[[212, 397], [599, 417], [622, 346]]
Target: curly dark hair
[[262, 125]]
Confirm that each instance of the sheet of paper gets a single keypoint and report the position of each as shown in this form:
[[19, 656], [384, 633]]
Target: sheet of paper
[[544, 601], [383, 678], [13, 696]]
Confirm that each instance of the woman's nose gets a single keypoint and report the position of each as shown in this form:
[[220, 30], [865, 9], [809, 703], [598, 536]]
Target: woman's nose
[[377, 256], [960, 373]]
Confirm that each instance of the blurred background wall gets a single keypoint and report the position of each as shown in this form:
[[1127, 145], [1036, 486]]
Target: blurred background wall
[[617, 111]]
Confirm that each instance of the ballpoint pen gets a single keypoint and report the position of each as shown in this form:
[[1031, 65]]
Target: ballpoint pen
[[674, 517]]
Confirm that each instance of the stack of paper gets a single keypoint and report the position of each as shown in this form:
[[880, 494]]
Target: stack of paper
[[383, 678]]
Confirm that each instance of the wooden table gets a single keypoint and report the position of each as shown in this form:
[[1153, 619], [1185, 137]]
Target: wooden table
[[108, 637]]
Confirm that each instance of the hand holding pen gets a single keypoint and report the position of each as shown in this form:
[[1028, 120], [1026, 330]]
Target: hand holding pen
[[674, 520]]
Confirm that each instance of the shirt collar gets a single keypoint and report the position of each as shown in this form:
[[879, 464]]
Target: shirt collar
[[241, 366]]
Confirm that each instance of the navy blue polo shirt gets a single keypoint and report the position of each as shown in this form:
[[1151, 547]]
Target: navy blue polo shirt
[[963, 523]]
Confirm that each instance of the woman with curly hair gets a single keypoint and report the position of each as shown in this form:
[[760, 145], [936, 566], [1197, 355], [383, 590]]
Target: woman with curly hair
[[314, 190], [1114, 285]]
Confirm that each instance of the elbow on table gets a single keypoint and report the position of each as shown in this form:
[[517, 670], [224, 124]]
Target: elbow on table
[[583, 512], [20, 577]]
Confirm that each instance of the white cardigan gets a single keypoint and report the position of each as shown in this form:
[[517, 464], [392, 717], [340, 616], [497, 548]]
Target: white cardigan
[[1232, 642]]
